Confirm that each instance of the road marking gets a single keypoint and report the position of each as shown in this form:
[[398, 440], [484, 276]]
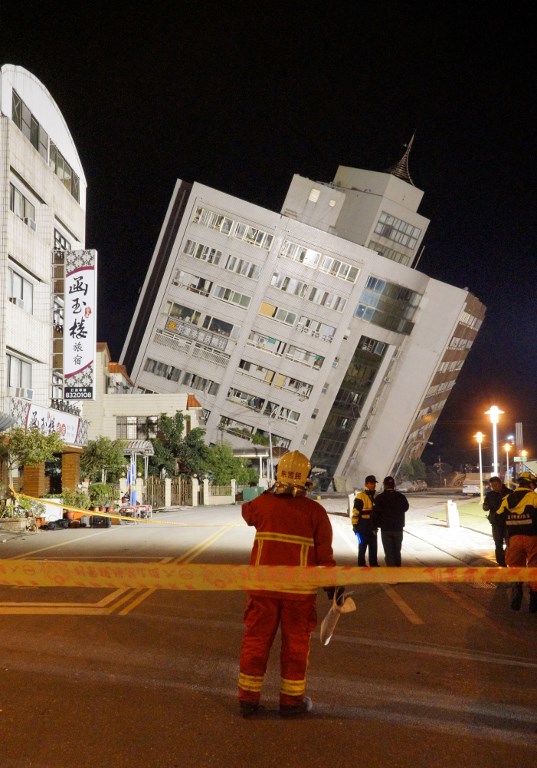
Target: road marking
[[403, 606], [186, 558], [129, 598]]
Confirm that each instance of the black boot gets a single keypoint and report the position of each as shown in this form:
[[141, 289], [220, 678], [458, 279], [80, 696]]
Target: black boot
[[533, 602], [516, 596]]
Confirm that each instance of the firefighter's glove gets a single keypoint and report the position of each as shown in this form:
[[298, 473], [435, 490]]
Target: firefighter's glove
[[355, 528], [337, 591]]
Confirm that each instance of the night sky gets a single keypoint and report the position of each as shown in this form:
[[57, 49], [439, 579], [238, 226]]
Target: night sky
[[240, 96]]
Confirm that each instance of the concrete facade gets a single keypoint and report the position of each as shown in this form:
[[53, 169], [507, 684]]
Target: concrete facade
[[311, 326], [42, 208], [120, 413]]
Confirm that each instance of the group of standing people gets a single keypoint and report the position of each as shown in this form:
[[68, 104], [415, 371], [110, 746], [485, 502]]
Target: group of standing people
[[513, 517], [384, 511]]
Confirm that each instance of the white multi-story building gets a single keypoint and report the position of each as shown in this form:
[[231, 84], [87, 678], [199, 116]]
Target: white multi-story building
[[121, 414], [42, 212], [311, 326]]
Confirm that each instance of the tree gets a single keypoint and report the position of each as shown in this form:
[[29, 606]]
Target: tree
[[166, 445], [103, 458], [414, 469], [194, 453], [19, 446], [175, 454], [223, 466]]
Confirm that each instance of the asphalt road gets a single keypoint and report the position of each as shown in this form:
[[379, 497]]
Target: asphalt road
[[420, 676]]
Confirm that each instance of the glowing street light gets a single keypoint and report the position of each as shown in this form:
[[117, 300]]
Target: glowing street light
[[507, 448], [523, 456], [479, 437], [494, 413]]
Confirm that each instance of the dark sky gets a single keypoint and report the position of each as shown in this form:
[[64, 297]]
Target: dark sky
[[241, 95]]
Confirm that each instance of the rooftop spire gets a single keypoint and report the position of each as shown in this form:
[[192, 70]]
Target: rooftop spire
[[400, 169]]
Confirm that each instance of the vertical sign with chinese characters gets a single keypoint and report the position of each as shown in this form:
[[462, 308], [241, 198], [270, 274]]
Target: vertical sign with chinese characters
[[80, 322]]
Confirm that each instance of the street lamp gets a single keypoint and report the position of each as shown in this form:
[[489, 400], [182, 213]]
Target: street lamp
[[270, 473], [479, 438], [507, 448], [523, 456], [494, 413]]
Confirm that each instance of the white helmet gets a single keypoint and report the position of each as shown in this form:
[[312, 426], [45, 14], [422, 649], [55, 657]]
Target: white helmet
[[292, 474]]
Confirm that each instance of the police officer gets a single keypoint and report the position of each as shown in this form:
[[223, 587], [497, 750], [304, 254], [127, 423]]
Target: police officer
[[491, 504], [362, 522]]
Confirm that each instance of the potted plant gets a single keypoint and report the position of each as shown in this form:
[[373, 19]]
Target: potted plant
[[101, 494], [77, 499], [16, 512]]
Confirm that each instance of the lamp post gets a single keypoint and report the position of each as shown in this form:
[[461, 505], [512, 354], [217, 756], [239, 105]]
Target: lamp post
[[270, 473], [494, 413], [507, 448], [523, 456], [479, 438]]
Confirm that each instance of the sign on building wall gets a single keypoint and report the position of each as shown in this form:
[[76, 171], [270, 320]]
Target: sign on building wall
[[72, 429], [80, 325]]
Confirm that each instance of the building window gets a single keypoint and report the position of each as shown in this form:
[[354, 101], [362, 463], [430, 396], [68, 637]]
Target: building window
[[200, 383], [19, 372], [27, 123], [202, 252], [339, 269], [60, 242], [388, 305], [136, 427], [289, 285], [162, 369], [397, 230], [253, 236], [390, 253], [277, 313], [21, 206], [20, 291], [300, 253], [64, 172], [212, 220], [231, 297], [242, 267]]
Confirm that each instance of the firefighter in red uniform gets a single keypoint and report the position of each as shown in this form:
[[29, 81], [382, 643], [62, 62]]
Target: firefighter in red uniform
[[291, 529]]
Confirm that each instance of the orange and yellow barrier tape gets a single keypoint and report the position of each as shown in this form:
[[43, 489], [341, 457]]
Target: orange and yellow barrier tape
[[199, 577], [93, 513]]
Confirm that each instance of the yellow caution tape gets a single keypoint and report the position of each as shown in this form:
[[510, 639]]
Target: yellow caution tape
[[114, 575], [98, 513]]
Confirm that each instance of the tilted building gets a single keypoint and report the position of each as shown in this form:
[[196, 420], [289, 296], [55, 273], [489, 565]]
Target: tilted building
[[312, 326]]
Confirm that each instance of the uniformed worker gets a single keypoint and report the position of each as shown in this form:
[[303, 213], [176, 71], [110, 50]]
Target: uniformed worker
[[362, 522], [520, 510], [291, 529]]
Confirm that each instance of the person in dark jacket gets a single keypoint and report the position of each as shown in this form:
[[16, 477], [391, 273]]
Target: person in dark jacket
[[389, 515], [520, 510], [362, 522], [491, 504]]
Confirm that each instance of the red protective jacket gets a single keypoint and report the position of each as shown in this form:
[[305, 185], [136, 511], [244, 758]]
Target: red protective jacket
[[291, 530]]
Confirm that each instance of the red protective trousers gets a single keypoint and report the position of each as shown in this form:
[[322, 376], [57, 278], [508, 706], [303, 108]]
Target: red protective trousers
[[521, 552], [262, 617]]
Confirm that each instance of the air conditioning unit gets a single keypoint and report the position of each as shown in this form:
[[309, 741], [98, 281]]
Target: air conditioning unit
[[17, 301], [30, 223]]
